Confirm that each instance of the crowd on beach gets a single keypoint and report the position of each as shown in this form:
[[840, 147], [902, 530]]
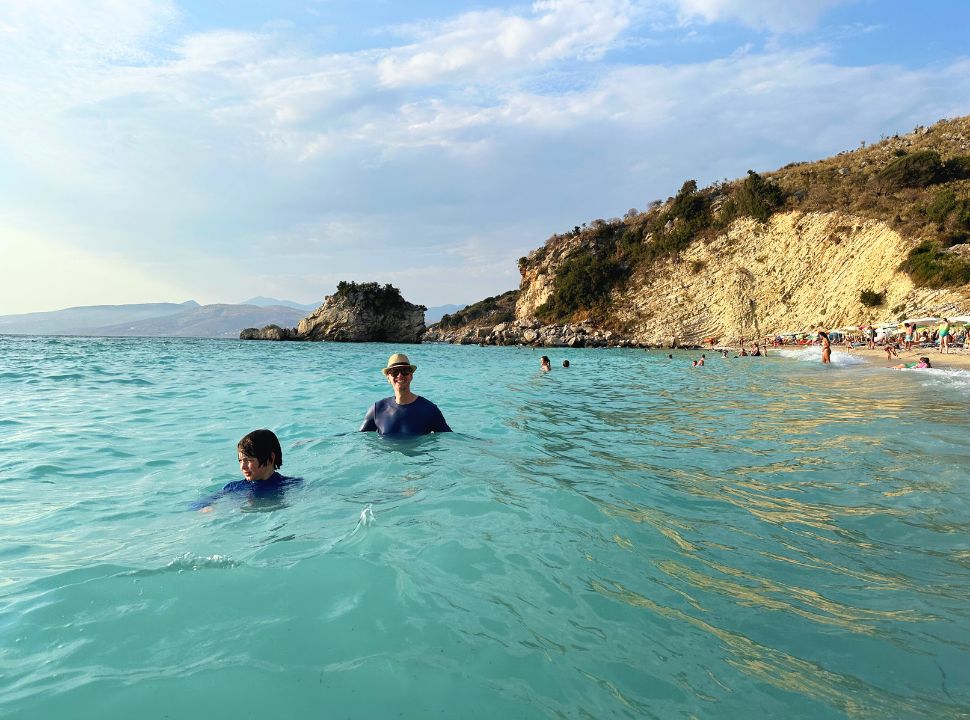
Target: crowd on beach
[[942, 335]]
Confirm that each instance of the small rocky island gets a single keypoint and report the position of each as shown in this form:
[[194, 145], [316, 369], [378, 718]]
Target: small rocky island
[[365, 312]]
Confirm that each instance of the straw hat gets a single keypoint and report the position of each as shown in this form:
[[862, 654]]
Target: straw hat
[[399, 360]]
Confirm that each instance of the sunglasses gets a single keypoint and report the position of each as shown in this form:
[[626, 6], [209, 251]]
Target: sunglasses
[[398, 372]]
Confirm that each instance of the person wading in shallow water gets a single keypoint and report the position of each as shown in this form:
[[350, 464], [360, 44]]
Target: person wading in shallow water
[[405, 413], [826, 347]]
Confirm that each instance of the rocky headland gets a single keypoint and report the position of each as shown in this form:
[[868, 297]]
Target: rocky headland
[[365, 312], [877, 234]]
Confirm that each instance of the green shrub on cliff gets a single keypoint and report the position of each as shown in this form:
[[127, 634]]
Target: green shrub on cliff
[[490, 311], [942, 205], [914, 170], [385, 298], [755, 197], [929, 266], [583, 282]]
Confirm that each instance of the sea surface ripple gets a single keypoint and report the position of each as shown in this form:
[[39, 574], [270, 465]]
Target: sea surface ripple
[[629, 537]]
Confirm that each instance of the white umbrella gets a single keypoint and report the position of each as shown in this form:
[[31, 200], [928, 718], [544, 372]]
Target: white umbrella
[[924, 320], [960, 319]]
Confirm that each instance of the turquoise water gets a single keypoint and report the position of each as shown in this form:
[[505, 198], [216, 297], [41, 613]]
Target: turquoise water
[[627, 538]]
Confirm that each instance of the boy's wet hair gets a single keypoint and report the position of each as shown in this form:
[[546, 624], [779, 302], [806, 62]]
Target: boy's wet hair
[[262, 445]]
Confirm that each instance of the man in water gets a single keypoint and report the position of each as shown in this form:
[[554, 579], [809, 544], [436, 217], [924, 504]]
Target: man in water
[[545, 364], [405, 413], [565, 363], [260, 456]]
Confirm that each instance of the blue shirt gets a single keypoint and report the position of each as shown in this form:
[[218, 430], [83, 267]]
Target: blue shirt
[[271, 488], [419, 417]]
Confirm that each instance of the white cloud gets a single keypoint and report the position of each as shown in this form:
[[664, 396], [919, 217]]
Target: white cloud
[[90, 32], [462, 149], [780, 16], [483, 46]]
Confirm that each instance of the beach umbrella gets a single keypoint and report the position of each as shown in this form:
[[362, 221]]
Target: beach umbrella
[[924, 320], [961, 319]]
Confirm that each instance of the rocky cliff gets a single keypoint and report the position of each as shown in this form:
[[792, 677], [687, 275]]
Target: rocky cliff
[[364, 312], [876, 234], [794, 272]]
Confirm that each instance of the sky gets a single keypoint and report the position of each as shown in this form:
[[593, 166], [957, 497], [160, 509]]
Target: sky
[[162, 151]]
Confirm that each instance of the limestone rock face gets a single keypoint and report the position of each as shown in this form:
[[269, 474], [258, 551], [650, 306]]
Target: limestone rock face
[[796, 271], [364, 313]]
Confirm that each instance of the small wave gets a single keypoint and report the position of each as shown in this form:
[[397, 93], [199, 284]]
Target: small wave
[[190, 561], [137, 382], [938, 376], [814, 354], [43, 470]]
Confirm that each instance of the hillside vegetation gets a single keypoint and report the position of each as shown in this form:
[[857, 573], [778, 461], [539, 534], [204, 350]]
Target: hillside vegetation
[[490, 311], [919, 185], [877, 233]]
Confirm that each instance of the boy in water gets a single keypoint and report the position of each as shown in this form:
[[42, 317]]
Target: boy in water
[[260, 456]]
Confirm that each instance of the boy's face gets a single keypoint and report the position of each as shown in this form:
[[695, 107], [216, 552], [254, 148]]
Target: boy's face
[[252, 470]]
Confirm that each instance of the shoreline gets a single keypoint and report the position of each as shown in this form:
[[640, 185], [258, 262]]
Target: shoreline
[[954, 360]]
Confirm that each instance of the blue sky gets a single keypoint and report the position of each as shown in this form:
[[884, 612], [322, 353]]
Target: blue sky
[[165, 151]]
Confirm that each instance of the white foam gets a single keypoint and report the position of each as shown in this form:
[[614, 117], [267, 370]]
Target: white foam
[[813, 353], [959, 379]]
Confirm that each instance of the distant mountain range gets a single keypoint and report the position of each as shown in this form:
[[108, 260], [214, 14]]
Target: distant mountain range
[[188, 319], [260, 301]]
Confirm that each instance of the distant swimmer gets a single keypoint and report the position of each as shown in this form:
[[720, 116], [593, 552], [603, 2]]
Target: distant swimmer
[[826, 347], [405, 413], [701, 361], [545, 364], [565, 363], [260, 456]]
